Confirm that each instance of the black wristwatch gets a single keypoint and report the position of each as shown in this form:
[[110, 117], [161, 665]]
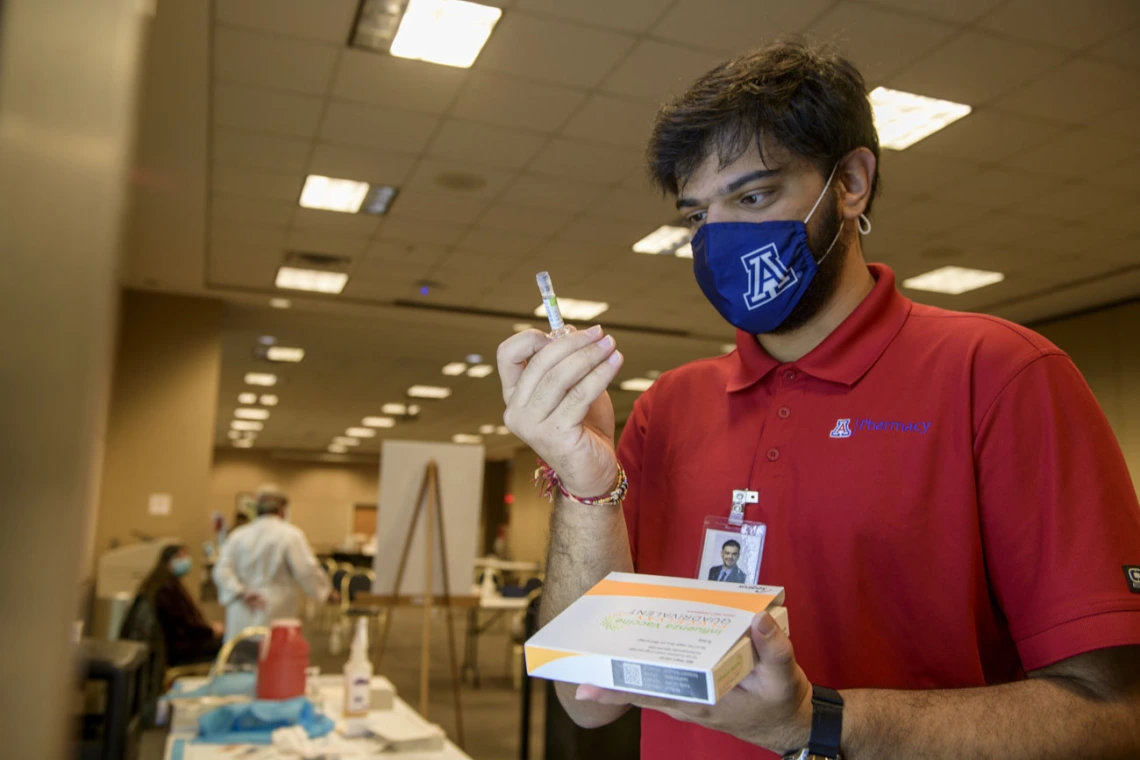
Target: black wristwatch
[[826, 726]]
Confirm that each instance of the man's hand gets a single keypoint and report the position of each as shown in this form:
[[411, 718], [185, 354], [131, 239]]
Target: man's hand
[[555, 391], [253, 600], [218, 628], [770, 708]]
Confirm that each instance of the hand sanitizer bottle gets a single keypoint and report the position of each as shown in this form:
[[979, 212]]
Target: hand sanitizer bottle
[[358, 674]]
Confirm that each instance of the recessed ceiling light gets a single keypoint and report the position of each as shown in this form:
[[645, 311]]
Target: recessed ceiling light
[[285, 354], [399, 409], [361, 432], [903, 118], [413, 410], [336, 448], [268, 399], [487, 429], [665, 239], [246, 425], [313, 280], [330, 194], [727, 348], [280, 303], [573, 308], [453, 369], [260, 378], [378, 200], [480, 370], [523, 326], [243, 443], [234, 434], [448, 32], [465, 438], [474, 358], [267, 340], [247, 398], [953, 280], [684, 252], [345, 440], [653, 374], [428, 391], [378, 422], [250, 434], [502, 430], [638, 384], [251, 414]]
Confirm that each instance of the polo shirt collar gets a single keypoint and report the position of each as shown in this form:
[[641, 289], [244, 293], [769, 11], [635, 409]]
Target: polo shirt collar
[[848, 352]]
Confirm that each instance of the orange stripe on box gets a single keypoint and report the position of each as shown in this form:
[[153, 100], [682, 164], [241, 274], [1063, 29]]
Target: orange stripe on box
[[737, 600], [536, 657]]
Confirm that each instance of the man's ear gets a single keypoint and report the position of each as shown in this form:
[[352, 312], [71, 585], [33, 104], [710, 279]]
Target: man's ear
[[856, 176]]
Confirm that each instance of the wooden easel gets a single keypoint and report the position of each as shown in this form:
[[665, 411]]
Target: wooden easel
[[434, 523]]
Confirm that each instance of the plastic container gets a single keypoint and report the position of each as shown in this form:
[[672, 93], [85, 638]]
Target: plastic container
[[358, 674], [284, 658]]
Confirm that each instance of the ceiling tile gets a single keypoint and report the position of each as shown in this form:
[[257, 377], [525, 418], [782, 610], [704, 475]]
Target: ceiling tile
[[234, 208], [1080, 202], [1076, 92], [1126, 177], [368, 127], [256, 183], [247, 234], [434, 175], [516, 103], [1125, 121], [631, 205], [318, 240], [1061, 22], [879, 42], [610, 119], [552, 51], [362, 165], [555, 195], [1123, 49], [605, 232], [311, 219], [931, 217], [485, 144], [1076, 154], [735, 26], [271, 61], [974, 68], [911, 173], [420, 232], [585, 161], [656, 70], [960, 11], [328, 21], [1000, 228], [529, 221], [387, 253], [628, 15], [266, 111], [456, 208], [384, 80], [238, 148], [998, 189], [498, 243], [987, 136]]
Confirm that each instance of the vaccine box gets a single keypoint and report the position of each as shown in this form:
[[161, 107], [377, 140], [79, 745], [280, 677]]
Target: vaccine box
[[667, 637]]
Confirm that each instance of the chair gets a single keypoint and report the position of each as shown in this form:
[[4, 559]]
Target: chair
[[352, 585]]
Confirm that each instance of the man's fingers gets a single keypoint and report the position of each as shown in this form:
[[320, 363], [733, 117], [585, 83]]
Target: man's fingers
[[777, 657], [564, 380], [545, 359], [576, 403], [513, 355]]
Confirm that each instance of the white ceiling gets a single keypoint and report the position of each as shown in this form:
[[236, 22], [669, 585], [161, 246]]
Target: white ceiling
[[244, 98]]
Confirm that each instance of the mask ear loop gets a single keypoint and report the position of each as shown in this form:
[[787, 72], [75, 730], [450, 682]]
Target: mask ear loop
[[864, 225], [822, 193]]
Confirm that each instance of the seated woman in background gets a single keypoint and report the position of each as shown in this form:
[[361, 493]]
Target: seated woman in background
[[189, 637]]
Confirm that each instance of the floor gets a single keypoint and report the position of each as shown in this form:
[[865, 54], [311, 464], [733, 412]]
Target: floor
[[490, 712]]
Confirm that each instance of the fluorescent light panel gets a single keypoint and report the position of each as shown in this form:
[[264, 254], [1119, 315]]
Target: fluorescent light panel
[[234, 434], [903, 118], [378, 422], [638, 384], [953, 280], [465, 438], [360, 432], [454, 368], [398, 409], [260, 378], [243, 443], [336, 448], [502, 430], [246, 425], [522, 326], [480, 370], [284, 354], [379, 199], [331, 194], [247, 398], [487, 429], [280, 303], [447, 32], [573, 308], [268, 399], [665, 239], [428, 391], [312, 280], [346, 440], [242, 413]]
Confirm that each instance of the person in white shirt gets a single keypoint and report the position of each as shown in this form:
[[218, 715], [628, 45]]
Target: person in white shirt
[[262, 563]]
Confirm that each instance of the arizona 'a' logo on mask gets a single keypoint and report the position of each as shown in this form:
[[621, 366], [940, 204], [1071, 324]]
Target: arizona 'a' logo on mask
[[767, 276]]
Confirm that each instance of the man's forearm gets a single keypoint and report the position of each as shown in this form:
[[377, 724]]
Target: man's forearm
[[1038, 718], [586, 543]]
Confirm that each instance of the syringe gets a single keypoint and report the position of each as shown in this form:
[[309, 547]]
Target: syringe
[[558, 328]]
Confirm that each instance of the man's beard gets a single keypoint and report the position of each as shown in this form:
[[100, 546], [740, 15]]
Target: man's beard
[[828, 268]]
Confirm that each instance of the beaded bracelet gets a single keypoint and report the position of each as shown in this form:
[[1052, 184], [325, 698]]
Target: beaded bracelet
[[548, 482]]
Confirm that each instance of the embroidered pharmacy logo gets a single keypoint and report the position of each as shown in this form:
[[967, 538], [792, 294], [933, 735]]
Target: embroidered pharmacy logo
[[767, 276], [1132, 573], [846, 427]]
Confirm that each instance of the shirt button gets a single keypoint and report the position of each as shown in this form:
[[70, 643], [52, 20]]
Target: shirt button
[[784, 412], [790, 375], [773, 455]]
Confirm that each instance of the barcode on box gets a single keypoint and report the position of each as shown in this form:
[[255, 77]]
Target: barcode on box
[[631, 673]]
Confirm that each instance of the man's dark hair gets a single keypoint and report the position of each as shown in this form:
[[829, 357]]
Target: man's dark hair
[[731, 542], [808, 100]]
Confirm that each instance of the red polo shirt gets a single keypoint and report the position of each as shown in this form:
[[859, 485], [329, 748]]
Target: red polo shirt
[[946, 503]]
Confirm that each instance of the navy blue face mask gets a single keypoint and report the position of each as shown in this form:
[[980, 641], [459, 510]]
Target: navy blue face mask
[[755, 273]]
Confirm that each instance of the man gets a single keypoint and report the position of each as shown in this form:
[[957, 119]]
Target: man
[[945, 503], [262, 563], [728, 572]]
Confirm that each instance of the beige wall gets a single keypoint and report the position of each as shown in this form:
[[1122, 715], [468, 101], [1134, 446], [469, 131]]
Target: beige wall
[[1105, 345], [160, 436], [530, 514], [321, 495]]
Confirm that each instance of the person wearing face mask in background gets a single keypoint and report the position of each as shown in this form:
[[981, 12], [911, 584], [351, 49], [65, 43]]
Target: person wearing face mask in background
[[189, 637], [945, 502]]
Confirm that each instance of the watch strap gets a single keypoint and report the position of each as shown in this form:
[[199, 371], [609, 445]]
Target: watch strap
[[826, 722]]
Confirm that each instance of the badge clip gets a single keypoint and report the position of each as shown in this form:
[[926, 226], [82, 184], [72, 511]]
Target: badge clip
[[740, 498]]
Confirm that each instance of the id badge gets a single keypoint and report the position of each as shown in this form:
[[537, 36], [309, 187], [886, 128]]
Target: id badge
[[732, 547]]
